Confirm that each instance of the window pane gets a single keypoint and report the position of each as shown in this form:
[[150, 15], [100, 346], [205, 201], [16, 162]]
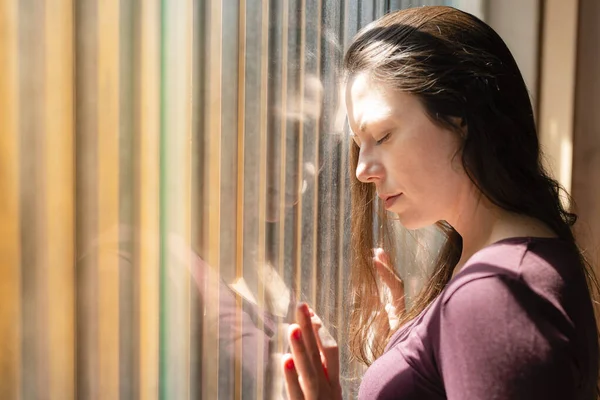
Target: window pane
[[176, 182]]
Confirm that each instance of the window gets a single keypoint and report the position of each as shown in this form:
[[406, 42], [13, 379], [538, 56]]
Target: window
[[175, 178]]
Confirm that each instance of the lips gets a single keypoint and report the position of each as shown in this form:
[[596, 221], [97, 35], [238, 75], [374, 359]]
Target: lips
[[389, 200]]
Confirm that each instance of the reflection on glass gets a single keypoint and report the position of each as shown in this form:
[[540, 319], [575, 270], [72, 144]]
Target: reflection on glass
[[176, 182]]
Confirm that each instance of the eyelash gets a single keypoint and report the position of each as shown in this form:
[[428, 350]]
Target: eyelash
[[380, 141], [384, 139]]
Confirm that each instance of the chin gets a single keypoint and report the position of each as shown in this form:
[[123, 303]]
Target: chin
[[413, 222]]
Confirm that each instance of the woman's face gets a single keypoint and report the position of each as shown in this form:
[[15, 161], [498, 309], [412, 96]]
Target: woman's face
[[412, 162]]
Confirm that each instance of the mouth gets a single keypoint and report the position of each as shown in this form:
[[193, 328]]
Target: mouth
[[389, 200]]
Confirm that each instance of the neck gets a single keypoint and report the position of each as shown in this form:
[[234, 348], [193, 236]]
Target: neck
[[476, 225], [481, 223]]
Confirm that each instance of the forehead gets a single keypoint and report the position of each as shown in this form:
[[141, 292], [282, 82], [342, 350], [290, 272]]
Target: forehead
[[369, 101], [362, 93]]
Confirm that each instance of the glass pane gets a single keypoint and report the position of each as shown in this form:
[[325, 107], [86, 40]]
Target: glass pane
[[177, 181]]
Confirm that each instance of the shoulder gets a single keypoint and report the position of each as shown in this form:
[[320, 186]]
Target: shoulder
[[508, 324], [531, 286], [494, 299], [499, 262], [547, 267]]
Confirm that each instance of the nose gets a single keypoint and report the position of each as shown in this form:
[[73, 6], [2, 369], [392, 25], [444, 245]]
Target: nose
[[369, 169]]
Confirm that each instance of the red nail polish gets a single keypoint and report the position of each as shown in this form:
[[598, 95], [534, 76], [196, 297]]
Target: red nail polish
[[296, 334], [289, 364]]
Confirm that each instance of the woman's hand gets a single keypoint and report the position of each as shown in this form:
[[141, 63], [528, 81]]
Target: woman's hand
[[312, 371], [384, 268]]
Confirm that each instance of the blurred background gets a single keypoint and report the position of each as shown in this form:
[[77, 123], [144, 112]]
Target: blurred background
[[173, 180]]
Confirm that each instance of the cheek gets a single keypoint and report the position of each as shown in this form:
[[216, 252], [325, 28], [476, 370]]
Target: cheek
[[440, 180], [431, 193], [428, 176], [429, 184]]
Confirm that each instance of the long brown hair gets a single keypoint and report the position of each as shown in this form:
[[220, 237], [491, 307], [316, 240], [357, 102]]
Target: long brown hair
[[460, 70]]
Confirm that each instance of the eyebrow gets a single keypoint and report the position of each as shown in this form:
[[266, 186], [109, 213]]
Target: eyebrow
[[365, 123], [376, 121]]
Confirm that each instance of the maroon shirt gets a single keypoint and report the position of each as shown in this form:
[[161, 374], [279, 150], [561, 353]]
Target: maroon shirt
[[516, 323]]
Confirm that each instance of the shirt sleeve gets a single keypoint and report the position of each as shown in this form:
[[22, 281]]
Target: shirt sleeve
[[500, 340]]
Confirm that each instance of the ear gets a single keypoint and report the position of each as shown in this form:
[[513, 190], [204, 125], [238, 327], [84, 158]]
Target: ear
[[464, 127], [461, 123]]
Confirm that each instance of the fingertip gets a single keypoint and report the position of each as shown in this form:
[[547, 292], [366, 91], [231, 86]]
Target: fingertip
[[376, 260], [288, 361], [292, 383], [384, 258], [380, 254], [293, 326], [380, 265], [304, 309], [378, 251], [294, 332]]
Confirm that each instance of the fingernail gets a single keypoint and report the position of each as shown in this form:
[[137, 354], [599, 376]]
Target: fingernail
[[296, 334], [289, 364]]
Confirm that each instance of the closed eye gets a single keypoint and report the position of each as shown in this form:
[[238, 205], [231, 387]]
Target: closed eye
[[384, 139]]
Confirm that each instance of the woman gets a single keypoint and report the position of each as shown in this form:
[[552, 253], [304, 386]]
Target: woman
[[444, 134]]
